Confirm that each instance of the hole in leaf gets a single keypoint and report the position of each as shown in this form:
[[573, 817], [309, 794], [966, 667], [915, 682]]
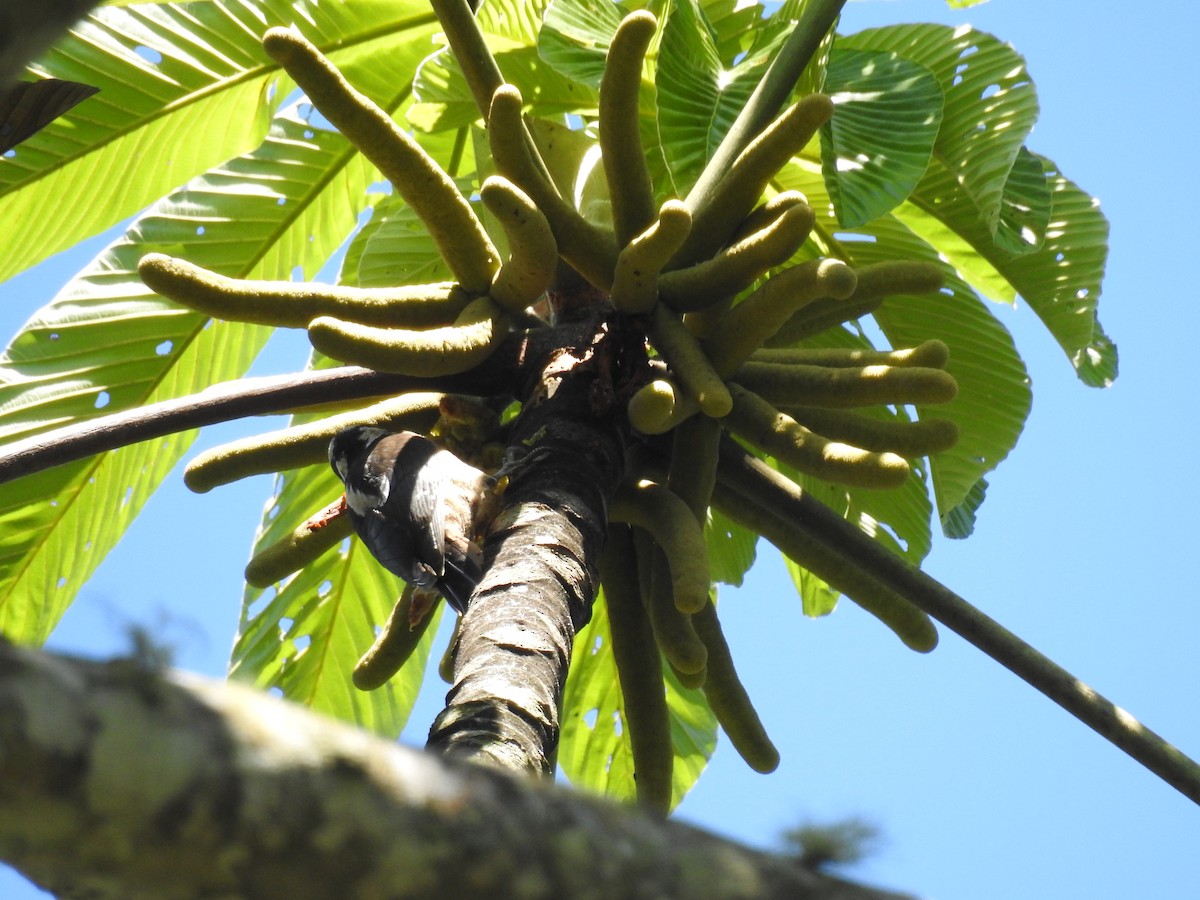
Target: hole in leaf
[[199, 229], [164, 348], [102, 400], [149, 54], [589, 718], [62, 582]]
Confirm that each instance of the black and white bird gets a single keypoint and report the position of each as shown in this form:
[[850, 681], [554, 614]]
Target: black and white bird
[[416, 506]]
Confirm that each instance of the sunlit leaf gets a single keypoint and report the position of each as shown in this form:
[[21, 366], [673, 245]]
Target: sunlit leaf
[[879, 142]]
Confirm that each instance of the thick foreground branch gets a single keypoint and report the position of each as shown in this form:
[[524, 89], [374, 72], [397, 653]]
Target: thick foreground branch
[[119, 781]]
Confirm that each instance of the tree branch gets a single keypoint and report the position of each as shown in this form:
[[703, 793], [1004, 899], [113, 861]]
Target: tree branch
[[119, 781], [251, 397], [759, 481]]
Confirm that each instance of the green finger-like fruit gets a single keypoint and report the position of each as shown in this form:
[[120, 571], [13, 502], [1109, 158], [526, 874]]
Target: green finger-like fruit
[[728, 698], [414, 175], [741, 187], [533, 253], [747, 326], [737, 267], [620, 141], [393, 646], [304, 445], [932, 354], [591, 250], [657, 407], [292, 304], [689, 364], [303, 546], [802, 385], [473, 337], [911, 439], [876, 282], [639, 670], [635, 281], [673, 630], [781, 436], [752, 508], [661, 512]]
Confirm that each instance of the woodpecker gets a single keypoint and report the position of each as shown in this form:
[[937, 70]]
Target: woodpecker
[[416, 507]]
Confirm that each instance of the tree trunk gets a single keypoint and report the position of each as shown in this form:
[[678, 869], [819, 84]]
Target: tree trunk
[[514, 645]]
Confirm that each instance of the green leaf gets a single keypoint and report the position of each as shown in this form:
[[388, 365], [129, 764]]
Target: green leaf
[[698, 97], [990, 104], [156, 124], [960, 522], [305, 635], [880, 140], [1060, 281], [731, 548], [396, 248], [575, 36], [106, 343], [594, 752]]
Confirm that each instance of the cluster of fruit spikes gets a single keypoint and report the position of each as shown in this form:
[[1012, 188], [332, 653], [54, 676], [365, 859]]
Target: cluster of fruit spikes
[[718, 368]]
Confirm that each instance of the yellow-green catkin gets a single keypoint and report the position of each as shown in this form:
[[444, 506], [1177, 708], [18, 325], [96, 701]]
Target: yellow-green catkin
[[781, 436], [474, 336], [737, 267], [909, 623], [747, 326], [293, 304], [729, 700], [635, 281], [933, 354], [592, 251], [639, 670], [804, 385], [306, 544], [624, 160], [740, 188], [907, 438], [415, 176], [673, 630], [304, 445], [661, 512], [533, 252], [393, 646], [875, 283], [688, 362]]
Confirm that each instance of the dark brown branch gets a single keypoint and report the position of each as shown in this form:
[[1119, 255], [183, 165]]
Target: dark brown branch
[[759, 481], [120, 781], [250, 397]]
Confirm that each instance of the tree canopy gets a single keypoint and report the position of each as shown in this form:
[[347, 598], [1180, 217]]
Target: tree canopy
[[896, 196]]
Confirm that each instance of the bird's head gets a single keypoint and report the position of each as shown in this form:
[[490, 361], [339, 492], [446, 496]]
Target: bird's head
[[352, 444]]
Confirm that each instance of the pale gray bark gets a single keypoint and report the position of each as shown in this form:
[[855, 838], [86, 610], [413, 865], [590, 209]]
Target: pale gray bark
[[120, 781]]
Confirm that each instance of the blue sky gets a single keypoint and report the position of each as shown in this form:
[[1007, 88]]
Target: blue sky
[[982, 787]]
